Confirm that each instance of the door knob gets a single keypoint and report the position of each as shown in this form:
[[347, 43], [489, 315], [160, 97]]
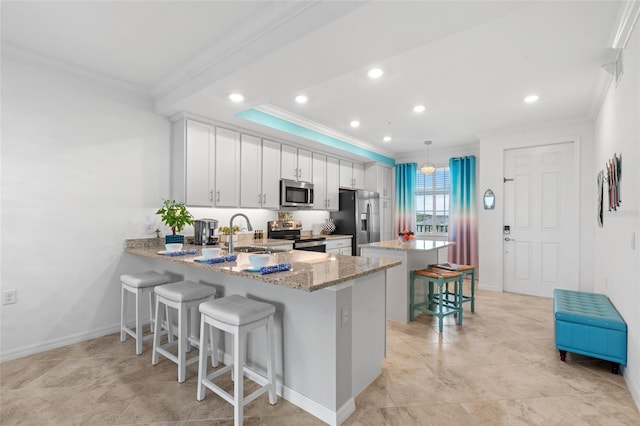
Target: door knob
[[508, 239]]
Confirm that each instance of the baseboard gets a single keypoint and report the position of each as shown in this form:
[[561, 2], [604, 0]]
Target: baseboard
[[489, 288], [634, 388], [333, 418], [58, 343]]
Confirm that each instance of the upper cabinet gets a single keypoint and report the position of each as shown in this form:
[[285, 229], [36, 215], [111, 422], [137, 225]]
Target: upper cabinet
[[378, 179], [296, 164], [227, 168], [260, 165], [351, 175], [325, 182], [205, 165]]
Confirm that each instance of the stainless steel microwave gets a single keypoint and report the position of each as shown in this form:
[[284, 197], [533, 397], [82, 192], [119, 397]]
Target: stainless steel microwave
[[296, 194]]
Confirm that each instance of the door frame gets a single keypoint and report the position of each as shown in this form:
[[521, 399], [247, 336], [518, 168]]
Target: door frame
[[532, 142]]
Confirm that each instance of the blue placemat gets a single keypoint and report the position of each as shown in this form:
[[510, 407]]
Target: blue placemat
[[177, 253], [275, 268], [220, 259]]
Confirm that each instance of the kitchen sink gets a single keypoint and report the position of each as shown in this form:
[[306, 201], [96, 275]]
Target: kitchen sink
[[257, 250]]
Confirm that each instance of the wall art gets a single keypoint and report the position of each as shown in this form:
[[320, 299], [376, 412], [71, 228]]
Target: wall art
[[614, 175]]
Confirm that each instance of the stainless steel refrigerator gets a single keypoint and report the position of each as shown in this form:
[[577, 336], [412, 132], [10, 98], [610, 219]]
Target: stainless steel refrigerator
[[359, 215]]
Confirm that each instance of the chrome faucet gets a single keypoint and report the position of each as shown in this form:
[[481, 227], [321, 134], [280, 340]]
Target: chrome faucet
[[249, 228]]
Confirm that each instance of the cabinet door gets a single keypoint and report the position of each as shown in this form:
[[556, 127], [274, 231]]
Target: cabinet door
[[386, 220], [289, 165], [333, 184], [319, 179], [345, 251], [227, 168], [251, 171], [304, 165], [386, 182], [270, 174], [346, 174], [199, 159], [358, 176]]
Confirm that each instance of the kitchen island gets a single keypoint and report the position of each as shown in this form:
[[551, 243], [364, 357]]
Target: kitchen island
[[414, 254], [330, 319]]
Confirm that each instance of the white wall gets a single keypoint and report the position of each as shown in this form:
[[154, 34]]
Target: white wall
[[491, 176], [82, 170], [617, 272]]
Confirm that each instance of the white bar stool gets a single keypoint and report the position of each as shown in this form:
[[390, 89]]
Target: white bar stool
[[182, 296], [138, 285], [237, 315]]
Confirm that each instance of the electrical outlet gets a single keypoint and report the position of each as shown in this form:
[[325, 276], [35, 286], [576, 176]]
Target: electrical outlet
[[346, 316], [9, 297]]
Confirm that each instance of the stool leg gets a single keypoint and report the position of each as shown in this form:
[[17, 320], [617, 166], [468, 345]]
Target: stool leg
[[214, 347], [459, 286], [138, 321], [123, 319], [239, 346], [440, 285], [156, 331], [473, 290], [182, 343], [202, 358], [271, 362], [151, 313], [412, 278]]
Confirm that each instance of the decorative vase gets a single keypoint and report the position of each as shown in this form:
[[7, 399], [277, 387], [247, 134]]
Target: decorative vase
[[172, 239], [329, 226]]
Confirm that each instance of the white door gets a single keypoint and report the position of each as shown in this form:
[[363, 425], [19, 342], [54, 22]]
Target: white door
[[541, 212]]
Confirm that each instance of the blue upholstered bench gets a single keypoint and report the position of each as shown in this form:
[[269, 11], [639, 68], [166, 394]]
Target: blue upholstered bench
[[588, 324]]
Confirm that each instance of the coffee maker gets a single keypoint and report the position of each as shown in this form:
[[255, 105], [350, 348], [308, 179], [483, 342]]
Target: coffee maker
[[203, 232]]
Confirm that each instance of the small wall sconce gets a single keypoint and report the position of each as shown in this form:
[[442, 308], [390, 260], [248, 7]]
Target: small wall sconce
[[489, 200]]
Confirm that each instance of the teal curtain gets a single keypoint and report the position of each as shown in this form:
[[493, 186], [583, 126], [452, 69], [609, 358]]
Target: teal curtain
[[463, 223], [405, 205]]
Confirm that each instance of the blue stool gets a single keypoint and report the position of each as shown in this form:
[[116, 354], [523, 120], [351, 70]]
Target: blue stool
[[438, 304]]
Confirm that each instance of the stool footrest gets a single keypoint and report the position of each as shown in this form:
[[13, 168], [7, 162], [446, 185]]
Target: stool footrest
[[208, 382]]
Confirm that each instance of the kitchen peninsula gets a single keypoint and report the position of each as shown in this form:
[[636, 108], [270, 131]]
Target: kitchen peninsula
[[414, 254], [330, 319]]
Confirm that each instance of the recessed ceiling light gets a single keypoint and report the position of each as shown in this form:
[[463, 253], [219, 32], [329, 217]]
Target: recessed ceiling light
[[419, 108], [354, 123], [236, 97], [531, 99], [387, 139], [301, 99], [375, 73]]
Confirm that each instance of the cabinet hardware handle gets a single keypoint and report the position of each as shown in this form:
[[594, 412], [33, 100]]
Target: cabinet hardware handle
[[259, 198], [218, 195], [211, 195], [264, 198]]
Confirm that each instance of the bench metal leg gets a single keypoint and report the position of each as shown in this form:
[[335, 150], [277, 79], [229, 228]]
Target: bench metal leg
[[563, 355]]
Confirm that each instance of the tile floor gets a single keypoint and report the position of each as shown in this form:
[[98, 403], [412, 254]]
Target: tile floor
[[499, 368]]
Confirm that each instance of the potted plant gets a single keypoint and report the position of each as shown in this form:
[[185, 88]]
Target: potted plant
[[176, 216], [224, 233]]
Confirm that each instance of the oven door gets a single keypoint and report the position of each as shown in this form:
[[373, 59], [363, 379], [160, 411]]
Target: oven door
[[319, 246]]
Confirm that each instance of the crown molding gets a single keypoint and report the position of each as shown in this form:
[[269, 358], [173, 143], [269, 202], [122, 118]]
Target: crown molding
[[263, 22], [133, 93], [317, 127], [627, 18]]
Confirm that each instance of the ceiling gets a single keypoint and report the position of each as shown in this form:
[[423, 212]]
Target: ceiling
[[469, 63]]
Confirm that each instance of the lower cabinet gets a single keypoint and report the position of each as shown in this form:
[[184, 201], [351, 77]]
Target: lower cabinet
[[339, 246]]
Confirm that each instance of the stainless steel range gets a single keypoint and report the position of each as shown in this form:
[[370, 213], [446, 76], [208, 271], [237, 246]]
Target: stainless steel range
[[290, 230]]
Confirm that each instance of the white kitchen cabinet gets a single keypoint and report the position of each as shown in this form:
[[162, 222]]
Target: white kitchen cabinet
[[339, 246], [296, 164], [199, 156], [270, 174], [319, 180], [333, 184], [227, 168], [325, 182], [378, 178], [351, 175], [386, 220], [259, 165]]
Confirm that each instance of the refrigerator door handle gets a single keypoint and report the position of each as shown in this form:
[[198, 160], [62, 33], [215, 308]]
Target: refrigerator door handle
[[368, 222]]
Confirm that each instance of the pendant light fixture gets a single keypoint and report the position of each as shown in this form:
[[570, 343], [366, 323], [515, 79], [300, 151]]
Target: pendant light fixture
[[427, 168]]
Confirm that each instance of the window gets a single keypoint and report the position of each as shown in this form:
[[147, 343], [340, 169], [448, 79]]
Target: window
[[432, 202]]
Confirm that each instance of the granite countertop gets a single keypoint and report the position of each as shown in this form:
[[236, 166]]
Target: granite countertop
[[310, 271], [411, 245]]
